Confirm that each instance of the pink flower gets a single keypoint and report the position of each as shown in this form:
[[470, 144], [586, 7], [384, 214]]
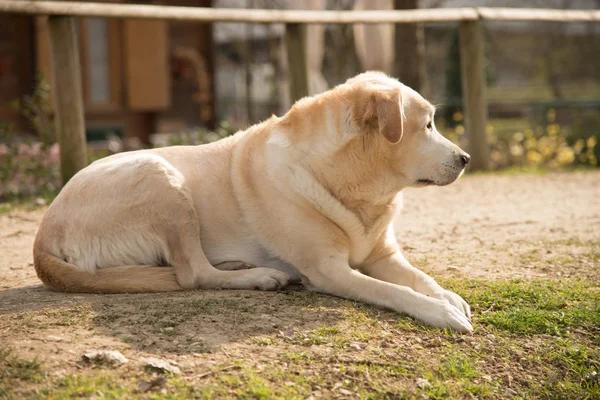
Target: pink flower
[[54, 153], [23, 149], [36, 149]]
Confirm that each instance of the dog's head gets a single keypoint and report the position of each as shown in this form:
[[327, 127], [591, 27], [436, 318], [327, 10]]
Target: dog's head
[[400, 124]]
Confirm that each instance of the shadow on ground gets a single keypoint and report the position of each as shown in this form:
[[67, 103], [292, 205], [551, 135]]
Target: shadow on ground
[[176, 323]]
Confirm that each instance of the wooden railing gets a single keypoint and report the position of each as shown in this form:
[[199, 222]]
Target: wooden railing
[[67, 74]]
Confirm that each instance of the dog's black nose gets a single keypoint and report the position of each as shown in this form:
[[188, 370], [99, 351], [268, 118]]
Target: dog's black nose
[[465, 158]]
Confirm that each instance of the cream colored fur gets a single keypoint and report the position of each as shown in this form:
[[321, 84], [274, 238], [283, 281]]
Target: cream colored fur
[[309, 196]]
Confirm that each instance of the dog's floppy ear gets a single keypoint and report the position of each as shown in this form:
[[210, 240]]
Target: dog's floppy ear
[[389, 115], [380, 110]]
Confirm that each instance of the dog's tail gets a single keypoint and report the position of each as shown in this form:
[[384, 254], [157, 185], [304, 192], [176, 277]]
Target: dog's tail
[[60, 275]]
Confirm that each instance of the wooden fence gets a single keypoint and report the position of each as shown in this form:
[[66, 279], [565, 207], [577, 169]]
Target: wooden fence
[[66, 68]]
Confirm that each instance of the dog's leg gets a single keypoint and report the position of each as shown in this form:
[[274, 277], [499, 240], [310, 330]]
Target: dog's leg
[[181, 229], [395, 268], [193, 270], [334, 275]]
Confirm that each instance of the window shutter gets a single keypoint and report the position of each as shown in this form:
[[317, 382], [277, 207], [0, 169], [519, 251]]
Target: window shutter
[[147, 65]]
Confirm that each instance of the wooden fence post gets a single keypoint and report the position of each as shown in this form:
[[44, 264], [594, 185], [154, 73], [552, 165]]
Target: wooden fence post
[[68, 96], [295, 42], [472, 67]]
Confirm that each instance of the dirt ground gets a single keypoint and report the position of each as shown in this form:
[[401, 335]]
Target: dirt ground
[[484, 226]]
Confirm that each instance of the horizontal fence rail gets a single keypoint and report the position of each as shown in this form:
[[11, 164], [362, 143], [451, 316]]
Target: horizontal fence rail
[[293, 16], [69, 100]]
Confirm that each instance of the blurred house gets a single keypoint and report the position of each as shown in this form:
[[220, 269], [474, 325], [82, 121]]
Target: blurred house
[[142, 77], [139, 76]]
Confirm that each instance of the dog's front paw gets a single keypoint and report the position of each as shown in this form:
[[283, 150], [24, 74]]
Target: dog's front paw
[[446, 315], [455, 300]]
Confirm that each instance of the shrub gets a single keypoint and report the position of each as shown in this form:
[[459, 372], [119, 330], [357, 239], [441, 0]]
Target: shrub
[[27, 168], [551, 146]]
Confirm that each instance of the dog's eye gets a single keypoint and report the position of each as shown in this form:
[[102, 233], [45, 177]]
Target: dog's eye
[[429, 126]]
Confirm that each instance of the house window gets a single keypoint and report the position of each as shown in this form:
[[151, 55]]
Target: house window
[[113, 52], [98, 77], [101, 64]]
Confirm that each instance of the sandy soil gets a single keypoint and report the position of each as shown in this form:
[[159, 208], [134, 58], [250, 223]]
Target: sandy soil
[[487, 227]]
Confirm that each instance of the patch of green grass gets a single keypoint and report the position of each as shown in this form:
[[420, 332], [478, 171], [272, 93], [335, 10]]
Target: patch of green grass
[[553, 307], [80, 315], [108, 384], [264, 341], [570, 369], [101, 384], [575, 241], [538, 335], [16, 371], [457, 365], [27, 203], [5, 208], [323, 335]]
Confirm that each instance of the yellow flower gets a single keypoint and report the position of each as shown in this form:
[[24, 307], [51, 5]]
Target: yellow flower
[[518, 136], [534, 157], [516, 150], [530, 143], [460, 130], [565, 156], [546, 146], [457, 116], [578, 146], [553, 129], [591, 142]]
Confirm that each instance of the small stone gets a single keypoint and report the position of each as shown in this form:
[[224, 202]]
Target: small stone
[[436, 342], [355, 345], [422, 383], [161, 365], [107, 357], [169, 329], [486, 378], [145, 386], [592, 376], [346, 392], [509, 380], [287, 334]]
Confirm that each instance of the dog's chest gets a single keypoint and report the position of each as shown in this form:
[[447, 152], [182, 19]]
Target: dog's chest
[[365, 237]]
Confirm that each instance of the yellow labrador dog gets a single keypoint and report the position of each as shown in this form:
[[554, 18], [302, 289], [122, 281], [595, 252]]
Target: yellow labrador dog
[[310, 196]]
